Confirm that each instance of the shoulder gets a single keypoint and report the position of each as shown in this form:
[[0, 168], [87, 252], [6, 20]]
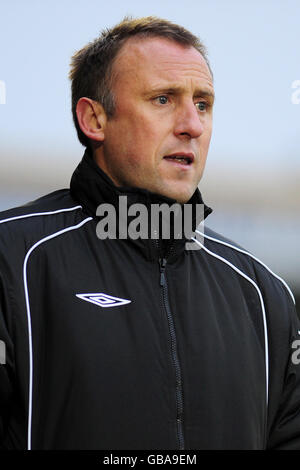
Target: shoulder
[[23, 226], [55, 201], [247, 264]]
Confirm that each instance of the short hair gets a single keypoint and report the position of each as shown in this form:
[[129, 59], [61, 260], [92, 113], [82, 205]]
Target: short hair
[[91, 66]]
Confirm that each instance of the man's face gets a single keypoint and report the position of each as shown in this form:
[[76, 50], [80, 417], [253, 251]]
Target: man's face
[[164, 98]]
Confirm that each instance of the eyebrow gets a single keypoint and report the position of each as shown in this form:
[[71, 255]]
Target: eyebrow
[[173, 90]]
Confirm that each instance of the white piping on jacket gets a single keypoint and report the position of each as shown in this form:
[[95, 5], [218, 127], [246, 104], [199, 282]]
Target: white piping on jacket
[[49, 237], [24, 216], [39, 213], [251, 256], [261, 302]]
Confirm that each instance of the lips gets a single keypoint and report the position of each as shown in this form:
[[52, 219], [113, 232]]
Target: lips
[[181, 157]]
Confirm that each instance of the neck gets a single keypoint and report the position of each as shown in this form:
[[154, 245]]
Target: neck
[[135, 213]]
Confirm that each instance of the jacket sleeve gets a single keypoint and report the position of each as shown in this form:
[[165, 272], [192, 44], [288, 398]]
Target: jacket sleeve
[[285, 430], [6, 348]]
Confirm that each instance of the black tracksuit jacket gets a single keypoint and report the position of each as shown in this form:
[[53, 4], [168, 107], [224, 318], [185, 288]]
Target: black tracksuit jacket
[[199, 357]]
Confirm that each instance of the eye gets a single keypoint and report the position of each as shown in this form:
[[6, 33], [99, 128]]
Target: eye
[[162, 99], [202, 105]]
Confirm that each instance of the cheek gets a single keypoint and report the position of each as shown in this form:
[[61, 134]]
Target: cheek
[[206, 137], [209, 129], [145, 127], [143, 137], [207, 140], [141, 119], [137, 135]]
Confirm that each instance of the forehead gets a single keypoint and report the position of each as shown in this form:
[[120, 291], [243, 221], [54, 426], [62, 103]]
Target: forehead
[[150, 61]]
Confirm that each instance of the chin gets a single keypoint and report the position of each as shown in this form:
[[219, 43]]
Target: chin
[[181, 197], [182, 200], [184, 195]]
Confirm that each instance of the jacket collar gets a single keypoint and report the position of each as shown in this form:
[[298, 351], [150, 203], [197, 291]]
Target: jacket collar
[[90, 186]]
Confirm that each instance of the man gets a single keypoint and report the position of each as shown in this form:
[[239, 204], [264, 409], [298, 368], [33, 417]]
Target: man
[[140, 343]]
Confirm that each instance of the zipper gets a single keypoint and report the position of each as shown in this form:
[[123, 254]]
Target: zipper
[[174, 353]]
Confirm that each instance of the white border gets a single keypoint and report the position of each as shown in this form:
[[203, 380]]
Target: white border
[[39, 213], [262, 307], [24, 216], [49, 237], [251, 256]]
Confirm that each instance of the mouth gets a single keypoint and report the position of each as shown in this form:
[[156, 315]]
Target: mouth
[[182, 158]]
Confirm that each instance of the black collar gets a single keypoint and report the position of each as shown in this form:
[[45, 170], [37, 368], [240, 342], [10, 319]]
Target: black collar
[[90, 186]]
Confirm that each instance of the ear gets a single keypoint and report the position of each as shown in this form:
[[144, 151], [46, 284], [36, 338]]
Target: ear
[[91, 118]]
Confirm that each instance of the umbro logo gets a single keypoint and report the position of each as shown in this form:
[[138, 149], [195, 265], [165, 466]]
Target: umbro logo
[[103, 300]]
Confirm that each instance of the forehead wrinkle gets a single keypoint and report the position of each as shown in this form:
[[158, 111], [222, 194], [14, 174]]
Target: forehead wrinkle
[[178, 89], [176, 78], [200, 82], [184, 71], [127, 66], [167, 51], [170, 64], [185, 75]]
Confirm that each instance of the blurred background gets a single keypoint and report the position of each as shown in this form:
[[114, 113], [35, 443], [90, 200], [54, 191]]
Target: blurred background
[[253, 168]]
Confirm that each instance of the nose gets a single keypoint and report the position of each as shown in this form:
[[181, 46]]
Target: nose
[[188, 121]]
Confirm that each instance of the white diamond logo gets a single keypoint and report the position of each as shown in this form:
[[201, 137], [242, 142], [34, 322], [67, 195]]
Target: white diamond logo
[[103, 300]]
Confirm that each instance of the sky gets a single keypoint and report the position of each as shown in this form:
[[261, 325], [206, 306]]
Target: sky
[[253, 48]]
